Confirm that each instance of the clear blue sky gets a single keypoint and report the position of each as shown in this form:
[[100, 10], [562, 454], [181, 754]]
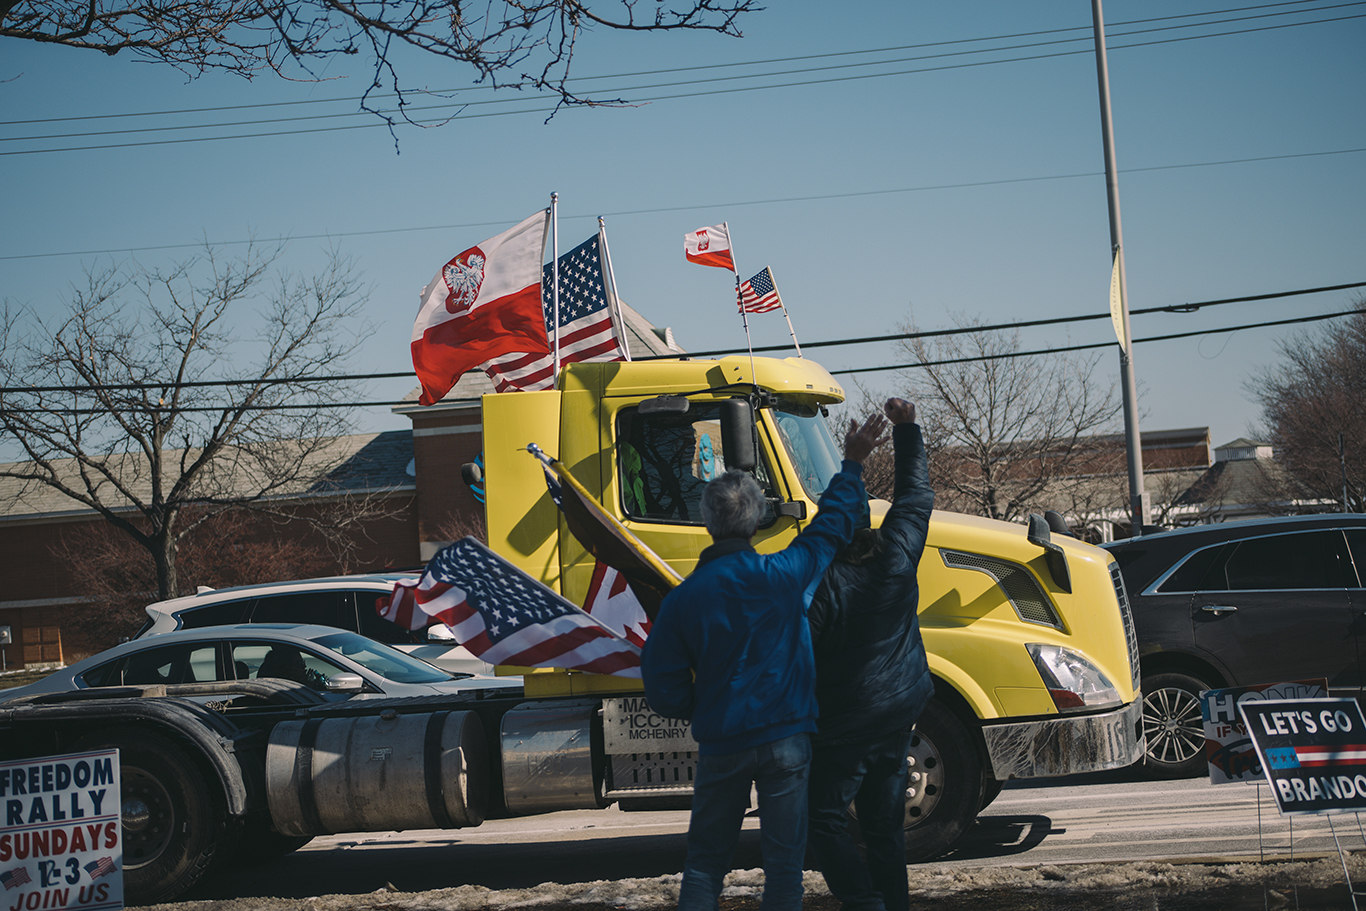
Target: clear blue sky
[[947, 185]]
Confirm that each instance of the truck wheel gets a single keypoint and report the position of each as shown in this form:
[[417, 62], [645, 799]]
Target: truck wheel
[[1173, 726], [947, 783], [174, 823]]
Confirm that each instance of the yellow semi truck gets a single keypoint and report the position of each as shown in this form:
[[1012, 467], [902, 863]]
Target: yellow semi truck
[[1029, 634]]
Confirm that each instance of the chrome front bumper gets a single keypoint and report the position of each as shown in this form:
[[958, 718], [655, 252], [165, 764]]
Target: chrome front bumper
[[1066, 745]]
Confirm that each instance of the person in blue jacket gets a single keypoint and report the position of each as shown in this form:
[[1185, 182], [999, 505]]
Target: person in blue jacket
[[730, 651], [872, 683]]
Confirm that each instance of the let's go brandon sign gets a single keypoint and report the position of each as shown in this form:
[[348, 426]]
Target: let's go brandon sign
[[1313, 752]]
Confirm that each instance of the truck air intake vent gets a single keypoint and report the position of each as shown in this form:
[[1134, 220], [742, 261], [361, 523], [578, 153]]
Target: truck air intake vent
[[1019, 584]]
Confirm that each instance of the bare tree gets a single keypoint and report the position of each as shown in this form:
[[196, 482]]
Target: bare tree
[[1007, 434], [524, 44], [161, 400], [119, 576], [1314, 406]]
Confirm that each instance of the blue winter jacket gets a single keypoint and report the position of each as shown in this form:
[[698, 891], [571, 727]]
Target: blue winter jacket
[[730, 649]]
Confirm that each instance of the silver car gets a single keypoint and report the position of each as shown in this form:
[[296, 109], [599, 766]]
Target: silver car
[[337, 664], [346, 602]]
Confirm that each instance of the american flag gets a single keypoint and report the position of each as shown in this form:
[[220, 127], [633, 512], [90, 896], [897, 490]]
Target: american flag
[[15, 878], [586, 332], [759, 294], [504, 616], [102, 867]]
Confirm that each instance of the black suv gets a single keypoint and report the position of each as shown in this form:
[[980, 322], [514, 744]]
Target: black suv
[[1241, 603]]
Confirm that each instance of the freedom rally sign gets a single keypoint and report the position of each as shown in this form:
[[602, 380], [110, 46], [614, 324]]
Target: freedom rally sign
[[60, 834], [1313, 751]]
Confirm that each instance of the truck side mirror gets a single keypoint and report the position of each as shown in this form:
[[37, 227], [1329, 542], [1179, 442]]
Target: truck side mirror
[[737, 435], [1039, 536], [471, 473]]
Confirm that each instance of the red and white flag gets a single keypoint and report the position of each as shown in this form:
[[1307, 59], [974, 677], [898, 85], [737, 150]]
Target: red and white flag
[[611, 601], [483, 304], [709, 247]]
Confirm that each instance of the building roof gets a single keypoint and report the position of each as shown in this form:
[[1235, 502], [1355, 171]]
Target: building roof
[[365, 462]]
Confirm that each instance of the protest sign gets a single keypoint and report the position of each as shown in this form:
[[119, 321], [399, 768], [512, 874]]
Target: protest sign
[[1228, 748], [60, 835], [1313, 751]]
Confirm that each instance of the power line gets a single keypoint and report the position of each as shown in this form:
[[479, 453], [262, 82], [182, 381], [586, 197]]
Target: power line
[[337, 378], [709, 205], [963, 360], [711, 67], [1071, 348], [555, 104]]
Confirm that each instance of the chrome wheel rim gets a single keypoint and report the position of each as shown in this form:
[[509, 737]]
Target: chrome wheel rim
[[1173, 725]]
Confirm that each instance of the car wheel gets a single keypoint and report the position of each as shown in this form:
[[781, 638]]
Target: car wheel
[[1173, 726], [946, 786], [175, 829]]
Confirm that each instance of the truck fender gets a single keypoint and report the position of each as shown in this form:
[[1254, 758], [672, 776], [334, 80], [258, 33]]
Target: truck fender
[[210, 735], [974, 697]]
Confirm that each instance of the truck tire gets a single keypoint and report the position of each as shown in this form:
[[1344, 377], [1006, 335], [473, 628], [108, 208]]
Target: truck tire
[[947, 783], [175, 824], [1173, 726]]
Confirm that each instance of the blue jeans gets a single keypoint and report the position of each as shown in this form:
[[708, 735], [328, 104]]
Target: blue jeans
[[778, 771], [871, 776]]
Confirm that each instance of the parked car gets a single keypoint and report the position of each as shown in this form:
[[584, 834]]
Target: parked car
[[346, 602], [1241, 603], [334, 663]]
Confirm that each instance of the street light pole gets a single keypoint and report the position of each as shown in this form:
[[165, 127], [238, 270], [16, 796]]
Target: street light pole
[[1138, 498]]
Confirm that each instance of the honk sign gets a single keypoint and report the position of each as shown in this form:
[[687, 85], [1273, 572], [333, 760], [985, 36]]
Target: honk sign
[[60, 836]]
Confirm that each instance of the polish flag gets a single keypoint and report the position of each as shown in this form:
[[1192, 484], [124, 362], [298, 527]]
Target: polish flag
[[484, 303], [709, 247]]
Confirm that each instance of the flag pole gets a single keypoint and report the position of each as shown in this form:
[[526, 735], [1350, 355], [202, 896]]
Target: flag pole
[[786, 316], [555, 283], [744, 317], [618, 324]]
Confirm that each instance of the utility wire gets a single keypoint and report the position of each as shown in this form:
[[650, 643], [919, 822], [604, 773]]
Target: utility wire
[[484, 89], [555, 105], [962, 360], [1070, 348], [709, 205], [337, 378]]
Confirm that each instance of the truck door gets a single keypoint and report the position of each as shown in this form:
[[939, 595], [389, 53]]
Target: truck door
[[662, 463]]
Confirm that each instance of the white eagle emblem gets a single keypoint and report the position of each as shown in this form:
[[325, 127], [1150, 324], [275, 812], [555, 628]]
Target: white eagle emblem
[[463, 276]]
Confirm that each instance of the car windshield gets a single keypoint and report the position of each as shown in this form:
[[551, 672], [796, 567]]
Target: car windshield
[[806, 436], [379, 658]]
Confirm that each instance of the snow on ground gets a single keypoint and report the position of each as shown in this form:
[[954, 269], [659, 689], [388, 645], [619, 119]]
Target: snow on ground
[[1178, 886]]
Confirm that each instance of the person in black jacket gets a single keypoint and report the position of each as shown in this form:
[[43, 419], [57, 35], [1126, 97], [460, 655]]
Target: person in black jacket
[[872, 682]]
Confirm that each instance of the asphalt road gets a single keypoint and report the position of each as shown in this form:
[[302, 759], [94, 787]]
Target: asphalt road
[[1101, 818]]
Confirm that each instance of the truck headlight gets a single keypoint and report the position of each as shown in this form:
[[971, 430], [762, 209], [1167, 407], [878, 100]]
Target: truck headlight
[[1072, 680]]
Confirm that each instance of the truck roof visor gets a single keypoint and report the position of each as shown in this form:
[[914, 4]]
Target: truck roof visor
[[737, 435], [665, 404]]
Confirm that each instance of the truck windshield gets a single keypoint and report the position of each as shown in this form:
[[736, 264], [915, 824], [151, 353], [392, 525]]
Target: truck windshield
[[806, 437]]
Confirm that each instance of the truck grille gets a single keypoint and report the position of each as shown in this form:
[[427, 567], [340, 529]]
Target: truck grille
[[1130, 634]]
